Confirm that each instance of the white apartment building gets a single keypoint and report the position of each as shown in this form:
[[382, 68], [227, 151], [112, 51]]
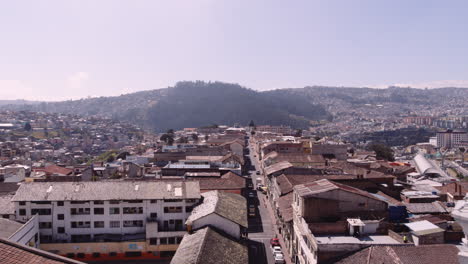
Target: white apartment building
[[108, 211], [452, 139]]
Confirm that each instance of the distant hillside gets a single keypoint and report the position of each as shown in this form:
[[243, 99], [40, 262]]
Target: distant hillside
[[18, 102], [456, 97], [195, 104]]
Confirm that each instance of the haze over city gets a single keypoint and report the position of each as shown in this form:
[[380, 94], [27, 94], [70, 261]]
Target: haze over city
[[243, 131], [58, 50]]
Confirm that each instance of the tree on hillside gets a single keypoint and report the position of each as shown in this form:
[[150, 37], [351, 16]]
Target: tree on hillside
[[195, 137], [182, 140], [251, 124], [382, 151], [27, 126], [298, 133], [168, 138]]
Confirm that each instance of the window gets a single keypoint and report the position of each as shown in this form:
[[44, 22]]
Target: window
[[115, 224], [163, 240], [22, 211], [177, 209], [133, 201], [99, 224], [22, 203], [60, 216], [154, 215], [45, 238], [40, 211], [70, 255], [167, 254], [188, 209], [114, 202], [179, 239], [80, 211], [98, 202], [80, 255], [135, 223], [41, 202], [171, 240], [114, 210], [98, 211], [132, 254], [60, 203], [362, 204], [45, 225], [153, 201], [96, 255], [80, 224], [191, 200], [112, 254], [60, 230], [153, 241], [172, 200], [78, 202], [133, 210]]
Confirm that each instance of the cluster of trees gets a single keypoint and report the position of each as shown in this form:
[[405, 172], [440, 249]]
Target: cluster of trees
[[168, 137], [192, 104], [382, 151]]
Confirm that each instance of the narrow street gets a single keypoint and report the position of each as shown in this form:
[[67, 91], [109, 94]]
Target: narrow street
[[261, 228]]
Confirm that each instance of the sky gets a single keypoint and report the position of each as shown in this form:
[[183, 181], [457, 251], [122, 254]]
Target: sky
[[58, 50]]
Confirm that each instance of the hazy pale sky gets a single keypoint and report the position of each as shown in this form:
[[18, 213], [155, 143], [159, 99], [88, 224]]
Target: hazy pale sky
[[55, 50]]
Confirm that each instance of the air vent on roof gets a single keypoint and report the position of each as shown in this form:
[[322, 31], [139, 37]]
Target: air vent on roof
[[137, 187], [178, 191], [49, 190], [169, 187], [77, 188]]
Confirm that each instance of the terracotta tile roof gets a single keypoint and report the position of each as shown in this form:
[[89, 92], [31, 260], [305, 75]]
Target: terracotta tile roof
[[456, 188], [14, 253], [321, 186], [6, 205], [8, 187], [426, 208], [425, 254], [277, 167], [229, 181], [285, 207], [231, 206], [54, 169], [207, 246]]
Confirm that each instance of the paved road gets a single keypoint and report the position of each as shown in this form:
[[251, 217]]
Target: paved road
[[261, 227], [457, 167]]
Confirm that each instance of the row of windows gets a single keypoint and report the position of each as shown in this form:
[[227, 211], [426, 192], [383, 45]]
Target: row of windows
[[61, 203], [85, 211], [127, 254], [96, 224], [165, 240]]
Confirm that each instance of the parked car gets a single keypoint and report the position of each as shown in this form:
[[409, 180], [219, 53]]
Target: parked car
[[251, 195], [275, 242], [252, 211], [258, 172], [250, 185], [279, 259], [276, 250]]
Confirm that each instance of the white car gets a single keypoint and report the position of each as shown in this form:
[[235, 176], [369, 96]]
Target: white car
[[279, 258], [276, 250]]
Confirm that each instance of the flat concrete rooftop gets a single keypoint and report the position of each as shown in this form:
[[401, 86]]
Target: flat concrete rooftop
[[370, 240]]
